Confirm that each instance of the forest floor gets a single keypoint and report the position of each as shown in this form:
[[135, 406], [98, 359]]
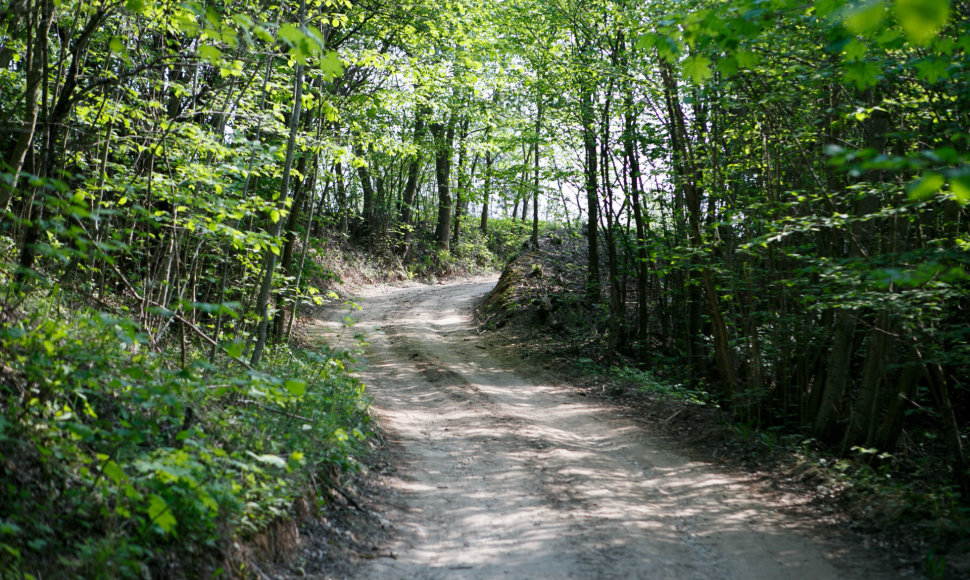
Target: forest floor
[[496, 465]]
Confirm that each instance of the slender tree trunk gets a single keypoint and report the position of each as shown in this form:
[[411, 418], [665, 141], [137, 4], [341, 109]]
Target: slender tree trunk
[[633, 162], [936, 377], [53, 130], [343, 210], [411, 188], [36, 66], [367, 188], [829, 424], [535, 184], [865, 416], [487, 192], [891, 427], [617, 311], [690, 179], [444, 137], [269, 260], [460, 191], [303, 254], [286, 260], [592, 197]]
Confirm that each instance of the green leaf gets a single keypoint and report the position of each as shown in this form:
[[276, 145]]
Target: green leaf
[[291, 34], [855, 50], [262, 34], [112, 470], [824, 8], [747, 59], [667, 48], [8, 528], [925, 187], [646, 41], [866, 17], [234, 349], [79, 429], [960, 187], [331, 65], [861, 74], [697, 68], [159, 513], [296, 387], [243, 21], [210, 53], [208, 501], [932, 70], [274, 215], [922, 19], [116, 46], [727, 66], [136, 6]]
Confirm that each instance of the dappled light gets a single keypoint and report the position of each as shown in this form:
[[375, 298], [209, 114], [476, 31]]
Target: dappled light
[[749, 216], [501, 476]]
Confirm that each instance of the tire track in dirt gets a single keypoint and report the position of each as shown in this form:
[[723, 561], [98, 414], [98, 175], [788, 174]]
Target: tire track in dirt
[[496, 476]]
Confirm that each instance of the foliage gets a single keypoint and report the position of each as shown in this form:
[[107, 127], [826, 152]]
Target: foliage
[[775, 191], [645, 381], [117, 461]]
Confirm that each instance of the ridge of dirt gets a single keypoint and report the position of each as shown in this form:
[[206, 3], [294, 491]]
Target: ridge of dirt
[[491, 469]]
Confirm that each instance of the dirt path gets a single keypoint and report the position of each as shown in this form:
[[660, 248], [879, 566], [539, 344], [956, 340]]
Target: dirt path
[[496, 476]]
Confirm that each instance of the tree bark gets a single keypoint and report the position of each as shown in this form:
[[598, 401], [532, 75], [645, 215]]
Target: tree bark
[[630, 132], [341, 195], [592, 197], [535, 184], [443, 138], [35, 75], [411, 188], [461, 193], [487, 192], [689, 174], [367, 188], [269, 260]]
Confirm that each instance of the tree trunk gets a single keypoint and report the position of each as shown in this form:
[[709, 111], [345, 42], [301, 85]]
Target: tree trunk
[[592, 197], [286, 260], [461, 192], [865, 415], [341, 195], [443, 138], [411, 188], [269, 261], [535, 184], [937, 380], [829, 421], [633, 163], [891, 427], [54, 124], [487, 192], [35, 77], [690, 178], [367, 188]]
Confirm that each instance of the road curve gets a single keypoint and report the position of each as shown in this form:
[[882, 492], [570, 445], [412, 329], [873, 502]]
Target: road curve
[[497, 476]]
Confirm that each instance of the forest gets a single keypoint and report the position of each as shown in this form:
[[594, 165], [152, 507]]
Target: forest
[[772, 196]]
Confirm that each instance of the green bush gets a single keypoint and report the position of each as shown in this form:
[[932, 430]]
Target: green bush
[[115, 459]]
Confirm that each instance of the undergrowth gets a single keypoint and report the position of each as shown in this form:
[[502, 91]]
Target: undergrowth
[[905, 499], [474, 251], [117, 461]]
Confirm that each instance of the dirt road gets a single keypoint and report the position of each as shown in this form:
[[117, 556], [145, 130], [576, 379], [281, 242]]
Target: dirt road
[[496, 476]]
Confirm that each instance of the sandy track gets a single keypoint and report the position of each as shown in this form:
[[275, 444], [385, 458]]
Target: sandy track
[[497, 476]]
